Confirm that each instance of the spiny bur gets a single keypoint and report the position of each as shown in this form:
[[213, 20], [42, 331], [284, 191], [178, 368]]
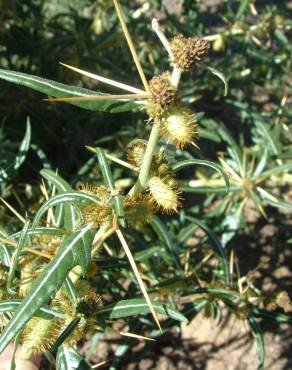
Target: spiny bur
[[188, 51], [165, 194], [179, 127], [162, 96]]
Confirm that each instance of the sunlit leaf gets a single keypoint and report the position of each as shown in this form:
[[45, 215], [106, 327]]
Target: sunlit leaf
[[59, 90]]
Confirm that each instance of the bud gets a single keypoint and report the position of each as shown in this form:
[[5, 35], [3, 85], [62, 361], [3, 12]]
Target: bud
[[179, 127], [165, 194], [187, 52]]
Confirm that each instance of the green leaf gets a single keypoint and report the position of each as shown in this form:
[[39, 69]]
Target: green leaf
[[69, 197], [190, 162], [24, 146], [242, 8], [187, 232], [221, 76], [261, 164], [139, 306], [45, 311], [59, 90], [267, 135], [74, 251], [49, 230], [110, 184], [259, 340], [71, 214], [276, 169], [69, 359], [5, 255], [15, 257], [224, 294], [217, 247], [278, 317], [163, 235], [65, 334]]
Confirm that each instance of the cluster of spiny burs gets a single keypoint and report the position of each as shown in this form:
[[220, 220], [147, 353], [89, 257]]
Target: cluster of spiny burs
[[41, 333], [178, 126]]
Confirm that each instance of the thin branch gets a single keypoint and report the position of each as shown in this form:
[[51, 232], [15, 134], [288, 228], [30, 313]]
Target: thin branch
[[101, 97], [114, 159], [137, 274], [162, 37], [105, 80], [131, 45], [22, 219]]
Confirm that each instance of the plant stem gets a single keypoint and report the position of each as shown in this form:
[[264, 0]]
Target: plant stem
[[25, 353], [103, 233], [142, 181]]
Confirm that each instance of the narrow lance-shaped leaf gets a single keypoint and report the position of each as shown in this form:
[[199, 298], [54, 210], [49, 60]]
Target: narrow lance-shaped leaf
[[65, 334], [75, 250], [59, 90], [70, 197], [24, 146], [221, 76], [49, 230], [163, 235], [218, 249], [190, 162], [45, 312], [139, 306], [109, 181], [69, 359], [71, 214], [15, 258], [259, 340]]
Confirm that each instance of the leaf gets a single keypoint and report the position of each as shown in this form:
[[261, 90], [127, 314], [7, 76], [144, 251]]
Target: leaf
[[71, 215], [24, 146], [259, 340], [267, 135], [139, 306], [110, 184], [162, 233], [59, 90], [74, 251], [69, 197], [261, 164], [70, 289], [5, 255], [217, 247], [221, 76], [45, 311], [190, 162], [49, 230], [65, 334], [224, 294], [276, 170], [15, 257], [69, 359], [272, 200], [242, 8], [278, 317]]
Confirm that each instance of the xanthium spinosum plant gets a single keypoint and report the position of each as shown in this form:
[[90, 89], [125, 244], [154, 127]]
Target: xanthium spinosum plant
[[52, 287]]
